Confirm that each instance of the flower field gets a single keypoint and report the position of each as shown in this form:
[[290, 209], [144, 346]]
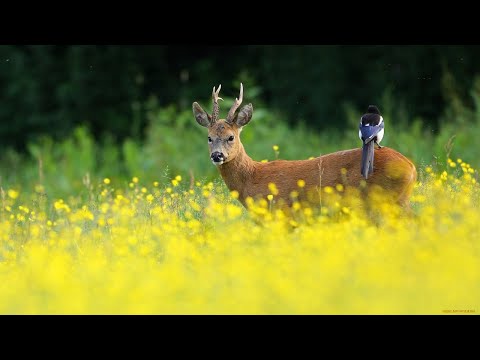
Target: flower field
[[190, 248]]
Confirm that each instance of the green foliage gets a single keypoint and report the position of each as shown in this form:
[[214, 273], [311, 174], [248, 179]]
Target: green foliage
[[176, 145], [51, 90], [135, 163], [460, 127], [65, 163]]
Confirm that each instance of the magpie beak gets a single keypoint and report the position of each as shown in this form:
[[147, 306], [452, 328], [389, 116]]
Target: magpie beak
[[371, 130]]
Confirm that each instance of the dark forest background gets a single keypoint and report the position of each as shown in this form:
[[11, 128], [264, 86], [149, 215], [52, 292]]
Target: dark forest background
[[52, 89]]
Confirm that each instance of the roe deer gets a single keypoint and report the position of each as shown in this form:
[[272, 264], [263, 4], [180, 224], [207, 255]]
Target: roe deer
[[394, 173]]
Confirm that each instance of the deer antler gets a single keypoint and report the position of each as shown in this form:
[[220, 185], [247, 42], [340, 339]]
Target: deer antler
[[236, 104], [215, 99]]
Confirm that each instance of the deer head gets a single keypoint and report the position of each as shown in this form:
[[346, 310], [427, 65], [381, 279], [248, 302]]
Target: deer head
[[223, 134]]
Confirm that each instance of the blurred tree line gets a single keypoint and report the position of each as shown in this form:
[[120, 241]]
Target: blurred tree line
[[51, 89]]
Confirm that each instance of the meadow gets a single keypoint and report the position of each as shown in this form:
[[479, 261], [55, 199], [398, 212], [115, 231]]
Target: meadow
[[90, 227]]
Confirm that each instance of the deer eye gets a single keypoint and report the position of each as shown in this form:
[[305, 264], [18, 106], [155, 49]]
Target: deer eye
[[231, 138], [209, 140]]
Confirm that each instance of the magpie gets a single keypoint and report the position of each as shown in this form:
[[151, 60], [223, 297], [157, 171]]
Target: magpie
[[370, 131]]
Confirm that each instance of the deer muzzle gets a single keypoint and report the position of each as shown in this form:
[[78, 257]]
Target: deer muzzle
[[217, 158]]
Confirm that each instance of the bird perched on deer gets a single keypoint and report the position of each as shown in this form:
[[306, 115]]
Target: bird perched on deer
[[371, 130], [393, 171]]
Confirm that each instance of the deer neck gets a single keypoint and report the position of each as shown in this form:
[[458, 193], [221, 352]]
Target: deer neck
[[238, 171]]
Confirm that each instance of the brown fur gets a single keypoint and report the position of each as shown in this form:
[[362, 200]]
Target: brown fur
[[392, 172]]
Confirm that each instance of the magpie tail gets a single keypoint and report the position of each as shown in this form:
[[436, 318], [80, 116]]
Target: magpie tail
[[368, 152]]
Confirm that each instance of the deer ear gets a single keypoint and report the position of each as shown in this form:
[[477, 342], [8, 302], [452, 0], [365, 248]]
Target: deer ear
[[201, 115], [244, 115]]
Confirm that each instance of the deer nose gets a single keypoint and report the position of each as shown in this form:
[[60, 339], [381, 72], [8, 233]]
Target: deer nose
[[217, 156]]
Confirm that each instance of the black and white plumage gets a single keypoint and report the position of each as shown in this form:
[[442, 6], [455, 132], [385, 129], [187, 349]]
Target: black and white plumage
[[371, 130]]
